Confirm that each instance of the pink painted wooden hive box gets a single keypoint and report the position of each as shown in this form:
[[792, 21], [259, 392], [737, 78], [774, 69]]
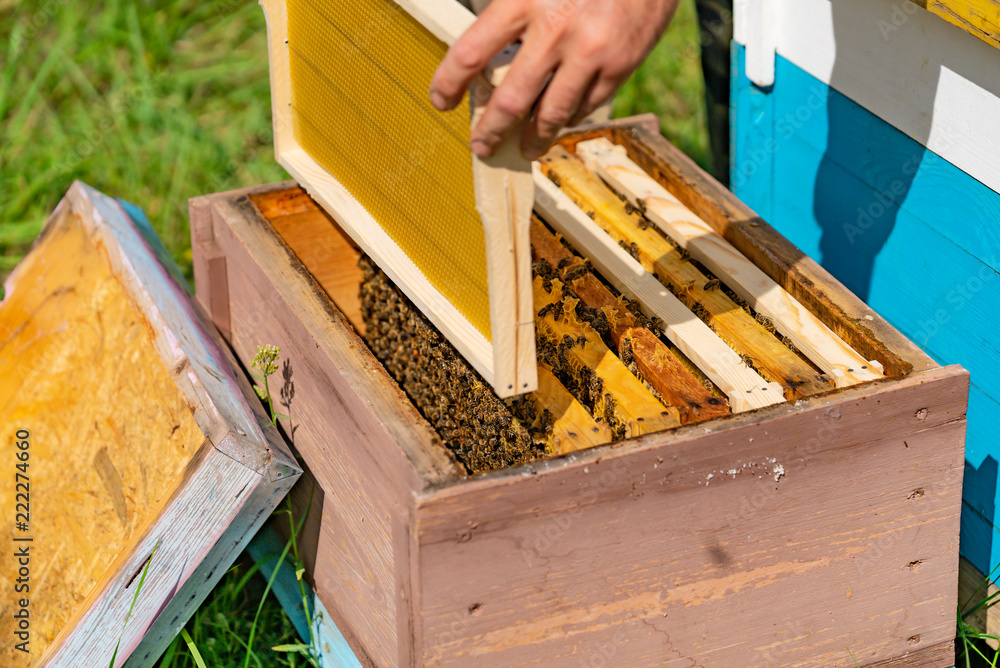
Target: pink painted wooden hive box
[[817, 529]]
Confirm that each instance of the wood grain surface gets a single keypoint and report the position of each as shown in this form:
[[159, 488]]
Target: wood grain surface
[[173, 467], [77, 376], [658, 365], [836, 522]]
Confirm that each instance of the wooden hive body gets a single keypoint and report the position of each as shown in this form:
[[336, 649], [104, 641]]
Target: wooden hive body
[[763, 537], [143, 445]]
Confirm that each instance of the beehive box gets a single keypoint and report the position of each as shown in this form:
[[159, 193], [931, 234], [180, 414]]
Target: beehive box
[[803, 533], [140, 464]]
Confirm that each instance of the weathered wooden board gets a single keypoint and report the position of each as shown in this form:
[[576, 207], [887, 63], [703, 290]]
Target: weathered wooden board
[[855, 572], [978, 17], [336, 381], [911, 232], [814, 339], [143, 444], [75, 355]]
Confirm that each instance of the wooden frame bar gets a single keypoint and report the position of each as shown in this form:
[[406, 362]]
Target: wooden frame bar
[[673, 381], [503, 196], [691, 233], [836, 306], [743, 386]]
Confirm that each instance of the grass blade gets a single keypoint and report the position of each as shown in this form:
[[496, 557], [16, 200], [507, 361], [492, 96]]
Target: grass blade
[[195, 654], [135, 597]]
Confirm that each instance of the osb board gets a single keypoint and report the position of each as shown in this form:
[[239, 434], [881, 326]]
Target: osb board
[[79, 372]]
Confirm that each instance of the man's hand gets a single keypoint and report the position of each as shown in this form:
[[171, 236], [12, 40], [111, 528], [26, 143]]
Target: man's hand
[[588, 47]]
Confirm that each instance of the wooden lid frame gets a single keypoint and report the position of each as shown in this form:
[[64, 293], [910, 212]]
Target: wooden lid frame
[[235, 478]]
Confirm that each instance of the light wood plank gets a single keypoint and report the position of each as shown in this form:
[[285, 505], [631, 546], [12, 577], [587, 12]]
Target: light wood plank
[[743, 386], [504, 198], [387, 254], [839, 309], [446, 19], [573, 427], [667, 262], [807, 332]]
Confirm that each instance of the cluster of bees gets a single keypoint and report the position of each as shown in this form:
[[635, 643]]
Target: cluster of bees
[[484, 432]]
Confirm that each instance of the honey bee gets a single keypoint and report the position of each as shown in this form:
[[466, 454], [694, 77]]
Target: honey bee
[[625, 351]]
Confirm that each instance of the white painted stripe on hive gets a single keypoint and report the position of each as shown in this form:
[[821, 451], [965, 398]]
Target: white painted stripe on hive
[[935, 82]]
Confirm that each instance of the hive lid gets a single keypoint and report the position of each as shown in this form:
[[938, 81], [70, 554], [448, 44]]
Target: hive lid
[[138, 442], [354, 125]]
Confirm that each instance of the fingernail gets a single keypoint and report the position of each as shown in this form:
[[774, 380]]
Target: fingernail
[[437, 99], [481, 149]]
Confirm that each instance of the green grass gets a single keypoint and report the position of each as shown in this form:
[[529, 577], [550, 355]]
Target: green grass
[[154, 102], [221, 627], [159, 101], [670, 84]]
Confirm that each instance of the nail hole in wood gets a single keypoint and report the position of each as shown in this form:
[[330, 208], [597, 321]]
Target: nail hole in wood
[[139, 570]]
